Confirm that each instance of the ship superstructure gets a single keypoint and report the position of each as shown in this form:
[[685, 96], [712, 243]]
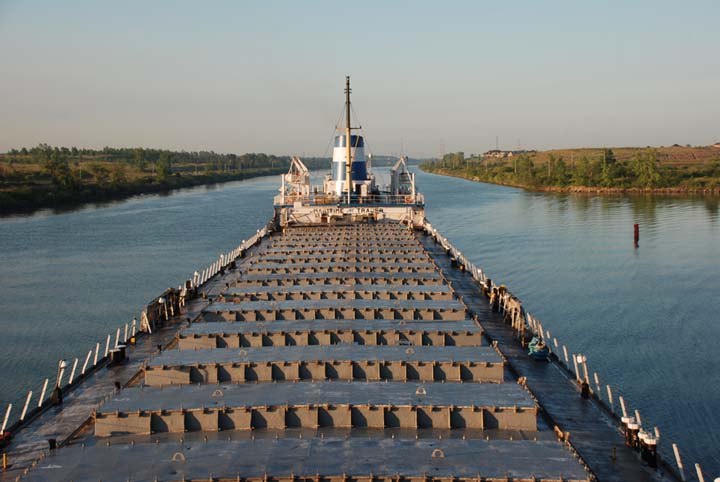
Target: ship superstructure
[[350, 192]]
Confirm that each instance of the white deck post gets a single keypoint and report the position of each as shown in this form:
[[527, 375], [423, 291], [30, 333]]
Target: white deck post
[[678, 461], [622, 406], [577, 370], [27, 403], [87, 360], [7, 417], [597, 383], [42, 393], [72, 372]]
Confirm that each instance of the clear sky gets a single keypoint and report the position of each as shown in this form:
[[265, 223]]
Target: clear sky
[[242, 76]]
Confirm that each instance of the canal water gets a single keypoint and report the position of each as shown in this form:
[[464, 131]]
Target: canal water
[[646, 317]]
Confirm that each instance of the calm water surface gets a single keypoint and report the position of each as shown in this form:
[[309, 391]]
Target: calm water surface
[[646, 318]]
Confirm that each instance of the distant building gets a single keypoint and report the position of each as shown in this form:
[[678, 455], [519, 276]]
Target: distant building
[[500, 154], [717, 144]]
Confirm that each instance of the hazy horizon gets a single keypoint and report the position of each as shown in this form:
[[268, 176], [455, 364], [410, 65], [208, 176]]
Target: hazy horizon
[[253, 77]]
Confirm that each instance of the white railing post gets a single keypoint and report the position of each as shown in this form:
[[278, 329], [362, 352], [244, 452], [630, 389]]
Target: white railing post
[[97, 352], [597, 383], [87, 360], [575, 364], [42, 393], [7, 417], [27, 403], [107, 346], [585, 369], [678, 461], [72, 372], [610, 399], [622, 406]]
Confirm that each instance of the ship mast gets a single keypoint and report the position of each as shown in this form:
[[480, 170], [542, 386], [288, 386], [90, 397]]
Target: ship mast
[[348, 152]]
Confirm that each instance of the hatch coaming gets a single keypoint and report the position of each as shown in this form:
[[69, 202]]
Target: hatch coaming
[[388, 344]]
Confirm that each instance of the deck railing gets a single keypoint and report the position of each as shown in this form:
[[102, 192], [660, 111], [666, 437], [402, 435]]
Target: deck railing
[[333, 200], [575, 364]]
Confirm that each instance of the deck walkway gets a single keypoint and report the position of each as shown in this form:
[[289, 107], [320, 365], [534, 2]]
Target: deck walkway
[[60, 423], [592, 432]]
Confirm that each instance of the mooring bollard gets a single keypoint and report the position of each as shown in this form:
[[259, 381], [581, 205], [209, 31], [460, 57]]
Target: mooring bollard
[[648, 448], [632, 430]]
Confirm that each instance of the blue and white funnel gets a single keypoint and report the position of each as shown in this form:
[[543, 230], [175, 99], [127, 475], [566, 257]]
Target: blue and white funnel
[[358, 168]]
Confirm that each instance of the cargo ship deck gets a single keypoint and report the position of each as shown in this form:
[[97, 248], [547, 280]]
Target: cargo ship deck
[[347, 341], [330, 353]]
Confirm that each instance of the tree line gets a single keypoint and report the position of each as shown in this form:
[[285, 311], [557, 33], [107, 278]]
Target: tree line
[[70, 167], [641, 171]]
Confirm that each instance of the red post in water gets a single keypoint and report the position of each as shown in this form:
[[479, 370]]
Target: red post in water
[[637, 234]]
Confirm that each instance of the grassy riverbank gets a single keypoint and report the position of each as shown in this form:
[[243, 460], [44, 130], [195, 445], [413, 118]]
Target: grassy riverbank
[[27, 199], [60, 177], [619, 170]]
